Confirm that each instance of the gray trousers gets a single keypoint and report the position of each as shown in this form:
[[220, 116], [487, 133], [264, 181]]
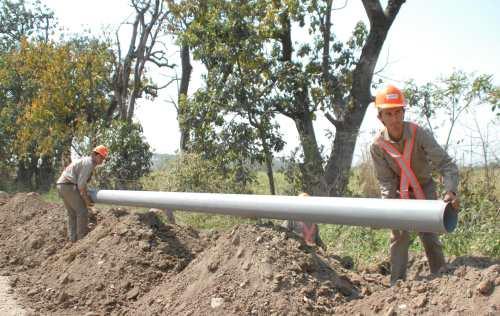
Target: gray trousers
[[400, 242], [77, 213]]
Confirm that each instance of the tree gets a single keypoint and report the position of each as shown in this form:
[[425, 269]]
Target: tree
[[54, 95], [19, 19], [327, 75], [450, 97], [56, 98], [421, 98], [129, 81], [459, 92], [129, 159], [24, 19], [229, 145], [483, 136], [242, 87], [182, 17]]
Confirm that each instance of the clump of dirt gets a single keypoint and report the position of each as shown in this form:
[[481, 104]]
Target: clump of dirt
[[134, 264]]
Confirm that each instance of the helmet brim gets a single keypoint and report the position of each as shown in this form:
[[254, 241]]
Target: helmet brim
[[389, 106]]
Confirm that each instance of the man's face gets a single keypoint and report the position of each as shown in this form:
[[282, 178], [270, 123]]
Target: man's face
[[98, 159], [393, 120]]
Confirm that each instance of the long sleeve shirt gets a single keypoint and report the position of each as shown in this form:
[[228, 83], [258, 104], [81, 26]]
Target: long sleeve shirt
[[427, 155]]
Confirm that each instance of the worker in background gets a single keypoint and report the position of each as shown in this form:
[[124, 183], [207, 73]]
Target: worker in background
[[308, 231], [72, 188], [404, 155], [169, 214]]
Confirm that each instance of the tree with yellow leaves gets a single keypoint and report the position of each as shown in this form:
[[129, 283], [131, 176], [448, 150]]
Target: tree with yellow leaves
[[53, 94]]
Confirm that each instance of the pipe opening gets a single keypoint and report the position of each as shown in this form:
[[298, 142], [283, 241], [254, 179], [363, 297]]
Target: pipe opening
[[450, 218]]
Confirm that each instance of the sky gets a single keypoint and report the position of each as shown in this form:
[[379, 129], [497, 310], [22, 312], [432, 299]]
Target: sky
[[427, 40]]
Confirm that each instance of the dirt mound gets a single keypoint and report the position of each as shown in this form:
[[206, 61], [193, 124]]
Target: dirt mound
[[121, 258], [253, 270], [133, 264], [30, 231], [467, 288]]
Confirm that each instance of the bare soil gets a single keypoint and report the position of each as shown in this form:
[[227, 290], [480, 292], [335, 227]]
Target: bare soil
[[134, 264]]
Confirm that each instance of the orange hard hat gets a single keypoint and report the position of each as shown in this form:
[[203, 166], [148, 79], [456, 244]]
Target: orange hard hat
[[389, 97], [101, 150]]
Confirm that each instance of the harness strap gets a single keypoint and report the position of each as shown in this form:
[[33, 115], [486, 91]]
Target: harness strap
[[408, 178]]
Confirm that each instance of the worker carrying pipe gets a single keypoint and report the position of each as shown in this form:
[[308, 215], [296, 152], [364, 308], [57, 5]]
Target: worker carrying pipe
[[404, 155], [308, 231], [72, 188]]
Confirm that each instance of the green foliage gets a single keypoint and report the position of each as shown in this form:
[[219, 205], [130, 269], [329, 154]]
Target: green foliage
[[230, 144], [293, 175], [50, 96], [363, 181], [478, 231], [24, 19], [210, 222], [129, 157], [494, 100], [450, 97], [51, 92], [51, 196], [230, 119], [193, 173]]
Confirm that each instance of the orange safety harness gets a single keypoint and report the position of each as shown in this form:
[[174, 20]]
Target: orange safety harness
[[408, 178]]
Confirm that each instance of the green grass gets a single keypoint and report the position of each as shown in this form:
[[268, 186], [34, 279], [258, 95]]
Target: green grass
[[202, 221], [362, 244], [261, 185], [52, 196]]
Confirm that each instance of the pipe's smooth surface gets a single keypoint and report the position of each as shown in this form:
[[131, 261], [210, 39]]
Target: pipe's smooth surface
[[411, 215]]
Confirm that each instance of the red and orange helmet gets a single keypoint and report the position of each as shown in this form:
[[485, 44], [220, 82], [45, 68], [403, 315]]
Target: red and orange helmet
[[101, 150], [389, 97]]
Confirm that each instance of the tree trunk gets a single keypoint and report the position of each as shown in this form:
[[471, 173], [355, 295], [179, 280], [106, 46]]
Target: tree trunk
[[182, 98], [45, 174], [339, 163], [312, 167], [26, 169], [270, 174], [145, 30], [269, 162]]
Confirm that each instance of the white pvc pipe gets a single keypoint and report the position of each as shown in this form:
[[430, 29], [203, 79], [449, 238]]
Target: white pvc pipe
[[411, 215]]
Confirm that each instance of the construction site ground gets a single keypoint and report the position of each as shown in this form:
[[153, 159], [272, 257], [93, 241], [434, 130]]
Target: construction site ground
[[131, 263]]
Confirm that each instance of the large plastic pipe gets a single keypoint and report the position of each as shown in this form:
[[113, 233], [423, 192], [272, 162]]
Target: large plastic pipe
[[411, 215]]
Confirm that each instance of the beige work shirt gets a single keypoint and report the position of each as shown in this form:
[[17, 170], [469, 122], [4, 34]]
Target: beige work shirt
[[78, 172], [427, 155]]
